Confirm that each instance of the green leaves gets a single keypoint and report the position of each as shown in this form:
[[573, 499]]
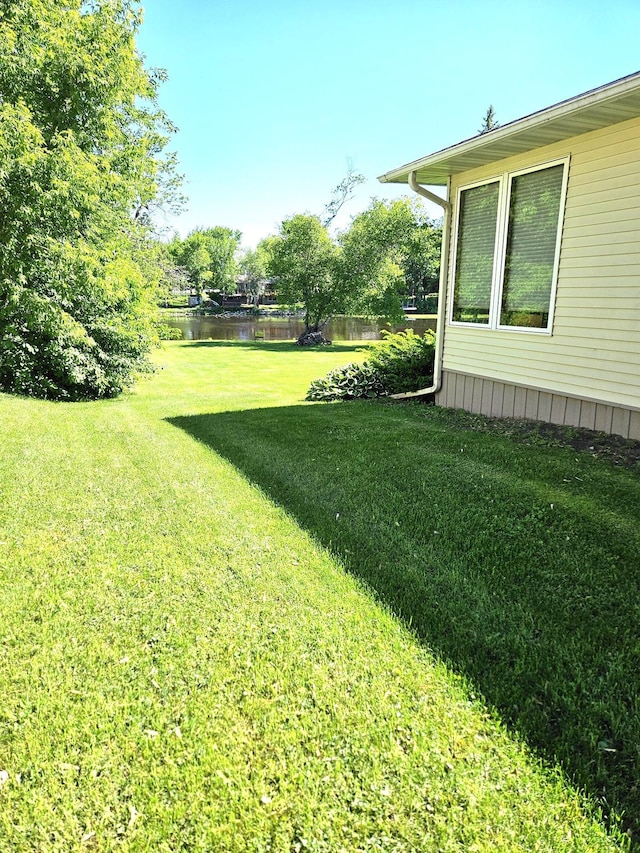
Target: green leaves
[[208, 256], [351, 382], [402, 362], [388, 250], [386, 255], [303, 258], [405, 360], [80, 152]]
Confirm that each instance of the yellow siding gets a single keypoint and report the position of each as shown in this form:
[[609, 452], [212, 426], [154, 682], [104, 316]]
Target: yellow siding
[[594, 349]]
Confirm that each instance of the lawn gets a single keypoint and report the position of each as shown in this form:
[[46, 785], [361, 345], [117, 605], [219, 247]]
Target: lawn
[[233, 621]]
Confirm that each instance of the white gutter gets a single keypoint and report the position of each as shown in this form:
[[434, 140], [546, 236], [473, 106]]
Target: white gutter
[[442, 290]]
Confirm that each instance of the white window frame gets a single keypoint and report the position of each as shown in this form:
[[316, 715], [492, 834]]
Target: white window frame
[[504, 181]]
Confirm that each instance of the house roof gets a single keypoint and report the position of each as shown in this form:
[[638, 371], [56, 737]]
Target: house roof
[[609, 104]]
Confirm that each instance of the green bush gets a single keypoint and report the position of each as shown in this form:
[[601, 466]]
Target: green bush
[[348, 383], [402, 362], [167, 333], [46, 352]]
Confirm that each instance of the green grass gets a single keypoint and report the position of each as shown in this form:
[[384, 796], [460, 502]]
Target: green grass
[[206, 590]]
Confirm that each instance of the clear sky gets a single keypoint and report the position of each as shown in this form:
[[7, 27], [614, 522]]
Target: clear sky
[[274, 100]]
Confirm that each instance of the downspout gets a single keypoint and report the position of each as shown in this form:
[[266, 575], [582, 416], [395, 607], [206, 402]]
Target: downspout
[[442, 291]]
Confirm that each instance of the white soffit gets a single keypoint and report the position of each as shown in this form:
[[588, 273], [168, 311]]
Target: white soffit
[[610, 104]]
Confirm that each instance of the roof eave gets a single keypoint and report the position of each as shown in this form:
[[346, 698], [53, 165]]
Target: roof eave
[[543, 127]]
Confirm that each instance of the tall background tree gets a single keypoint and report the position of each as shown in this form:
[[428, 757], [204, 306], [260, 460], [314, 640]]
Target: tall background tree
[[81, 164], [390, 252], [489, 121], [253, 268], [421, 265], [209, 258]]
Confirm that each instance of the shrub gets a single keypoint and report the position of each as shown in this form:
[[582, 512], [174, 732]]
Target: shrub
[[46, 352], [402, 362], [167, 333], [348, 383]]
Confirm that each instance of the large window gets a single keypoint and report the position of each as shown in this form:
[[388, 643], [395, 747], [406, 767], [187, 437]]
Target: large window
[[507, 246]]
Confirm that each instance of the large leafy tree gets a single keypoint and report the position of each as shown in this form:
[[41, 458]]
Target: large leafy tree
[[303, 258], [366, 269], [81, 162], [421, 263]]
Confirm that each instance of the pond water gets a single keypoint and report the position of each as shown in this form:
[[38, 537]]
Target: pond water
[[285, 328]]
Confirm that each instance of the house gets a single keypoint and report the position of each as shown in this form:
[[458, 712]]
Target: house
[[539, 310]]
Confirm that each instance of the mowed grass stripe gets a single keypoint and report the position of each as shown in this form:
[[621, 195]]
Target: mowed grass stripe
[[184, 667]]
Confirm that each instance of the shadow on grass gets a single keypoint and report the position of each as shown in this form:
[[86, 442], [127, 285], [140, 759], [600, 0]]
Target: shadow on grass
[[275, 346], [518, 564]]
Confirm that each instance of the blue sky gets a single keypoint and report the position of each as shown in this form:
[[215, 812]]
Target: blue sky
[[274, 100]]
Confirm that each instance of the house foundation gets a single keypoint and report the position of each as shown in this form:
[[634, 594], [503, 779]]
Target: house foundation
[[503, 400]]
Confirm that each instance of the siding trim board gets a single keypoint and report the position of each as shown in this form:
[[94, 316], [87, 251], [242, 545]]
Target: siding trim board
[[493, 398]]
